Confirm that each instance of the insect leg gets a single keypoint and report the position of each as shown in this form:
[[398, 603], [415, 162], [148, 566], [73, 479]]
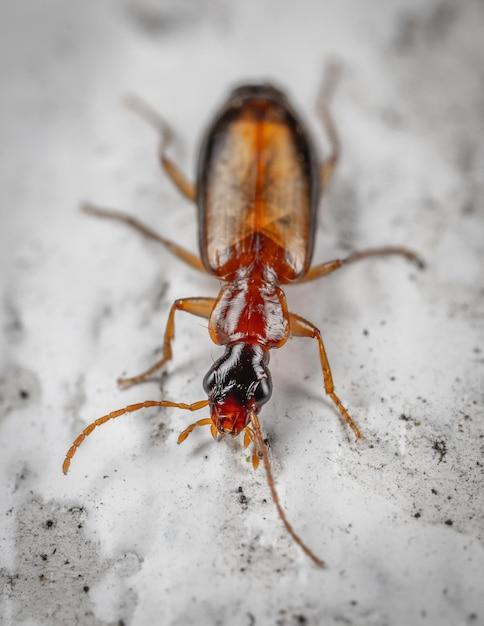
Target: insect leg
[[299, 327], [328, 85], [202, 307], [184, 255], [154, 119], [322, 269]]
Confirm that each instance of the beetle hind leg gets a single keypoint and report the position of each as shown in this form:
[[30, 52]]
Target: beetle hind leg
[[328, 85], [154, 119]]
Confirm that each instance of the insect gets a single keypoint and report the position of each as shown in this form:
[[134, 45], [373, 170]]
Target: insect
[[257, 191]]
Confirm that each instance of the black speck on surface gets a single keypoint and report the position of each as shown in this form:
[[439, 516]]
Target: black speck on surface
[[19, 388], [51, 531], [242, 498], [440, 446], [409, 419]]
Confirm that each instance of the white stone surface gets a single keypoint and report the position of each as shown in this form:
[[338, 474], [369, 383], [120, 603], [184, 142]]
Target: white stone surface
[[145, 532]]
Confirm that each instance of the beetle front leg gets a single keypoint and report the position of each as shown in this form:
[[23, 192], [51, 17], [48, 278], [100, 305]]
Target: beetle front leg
[[299, 327], [202, 307]]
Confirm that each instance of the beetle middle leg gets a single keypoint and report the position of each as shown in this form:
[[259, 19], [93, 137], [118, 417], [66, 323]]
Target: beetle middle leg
[[181, 253], [202, 307], [300, 327], [154, 119], [322, 269]]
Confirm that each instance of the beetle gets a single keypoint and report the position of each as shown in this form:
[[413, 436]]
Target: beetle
[[258, 187]]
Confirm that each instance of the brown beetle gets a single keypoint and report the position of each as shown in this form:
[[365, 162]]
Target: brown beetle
[[258, 188]]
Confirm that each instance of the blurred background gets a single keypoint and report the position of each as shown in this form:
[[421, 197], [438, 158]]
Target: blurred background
[[142, 531]]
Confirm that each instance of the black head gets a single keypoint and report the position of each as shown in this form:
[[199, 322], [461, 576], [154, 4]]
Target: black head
[[237, 384]]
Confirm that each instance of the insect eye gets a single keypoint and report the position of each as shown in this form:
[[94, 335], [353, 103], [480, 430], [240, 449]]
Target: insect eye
[[209, 381], [263, 391]]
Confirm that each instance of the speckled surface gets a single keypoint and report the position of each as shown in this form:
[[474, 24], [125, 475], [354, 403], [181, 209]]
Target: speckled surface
[[142, 531]]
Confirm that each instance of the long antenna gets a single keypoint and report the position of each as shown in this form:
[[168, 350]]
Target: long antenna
[[127, 409], [270, 480]]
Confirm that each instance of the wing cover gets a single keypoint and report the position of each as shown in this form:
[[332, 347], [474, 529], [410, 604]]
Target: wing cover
[[258, 187]]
